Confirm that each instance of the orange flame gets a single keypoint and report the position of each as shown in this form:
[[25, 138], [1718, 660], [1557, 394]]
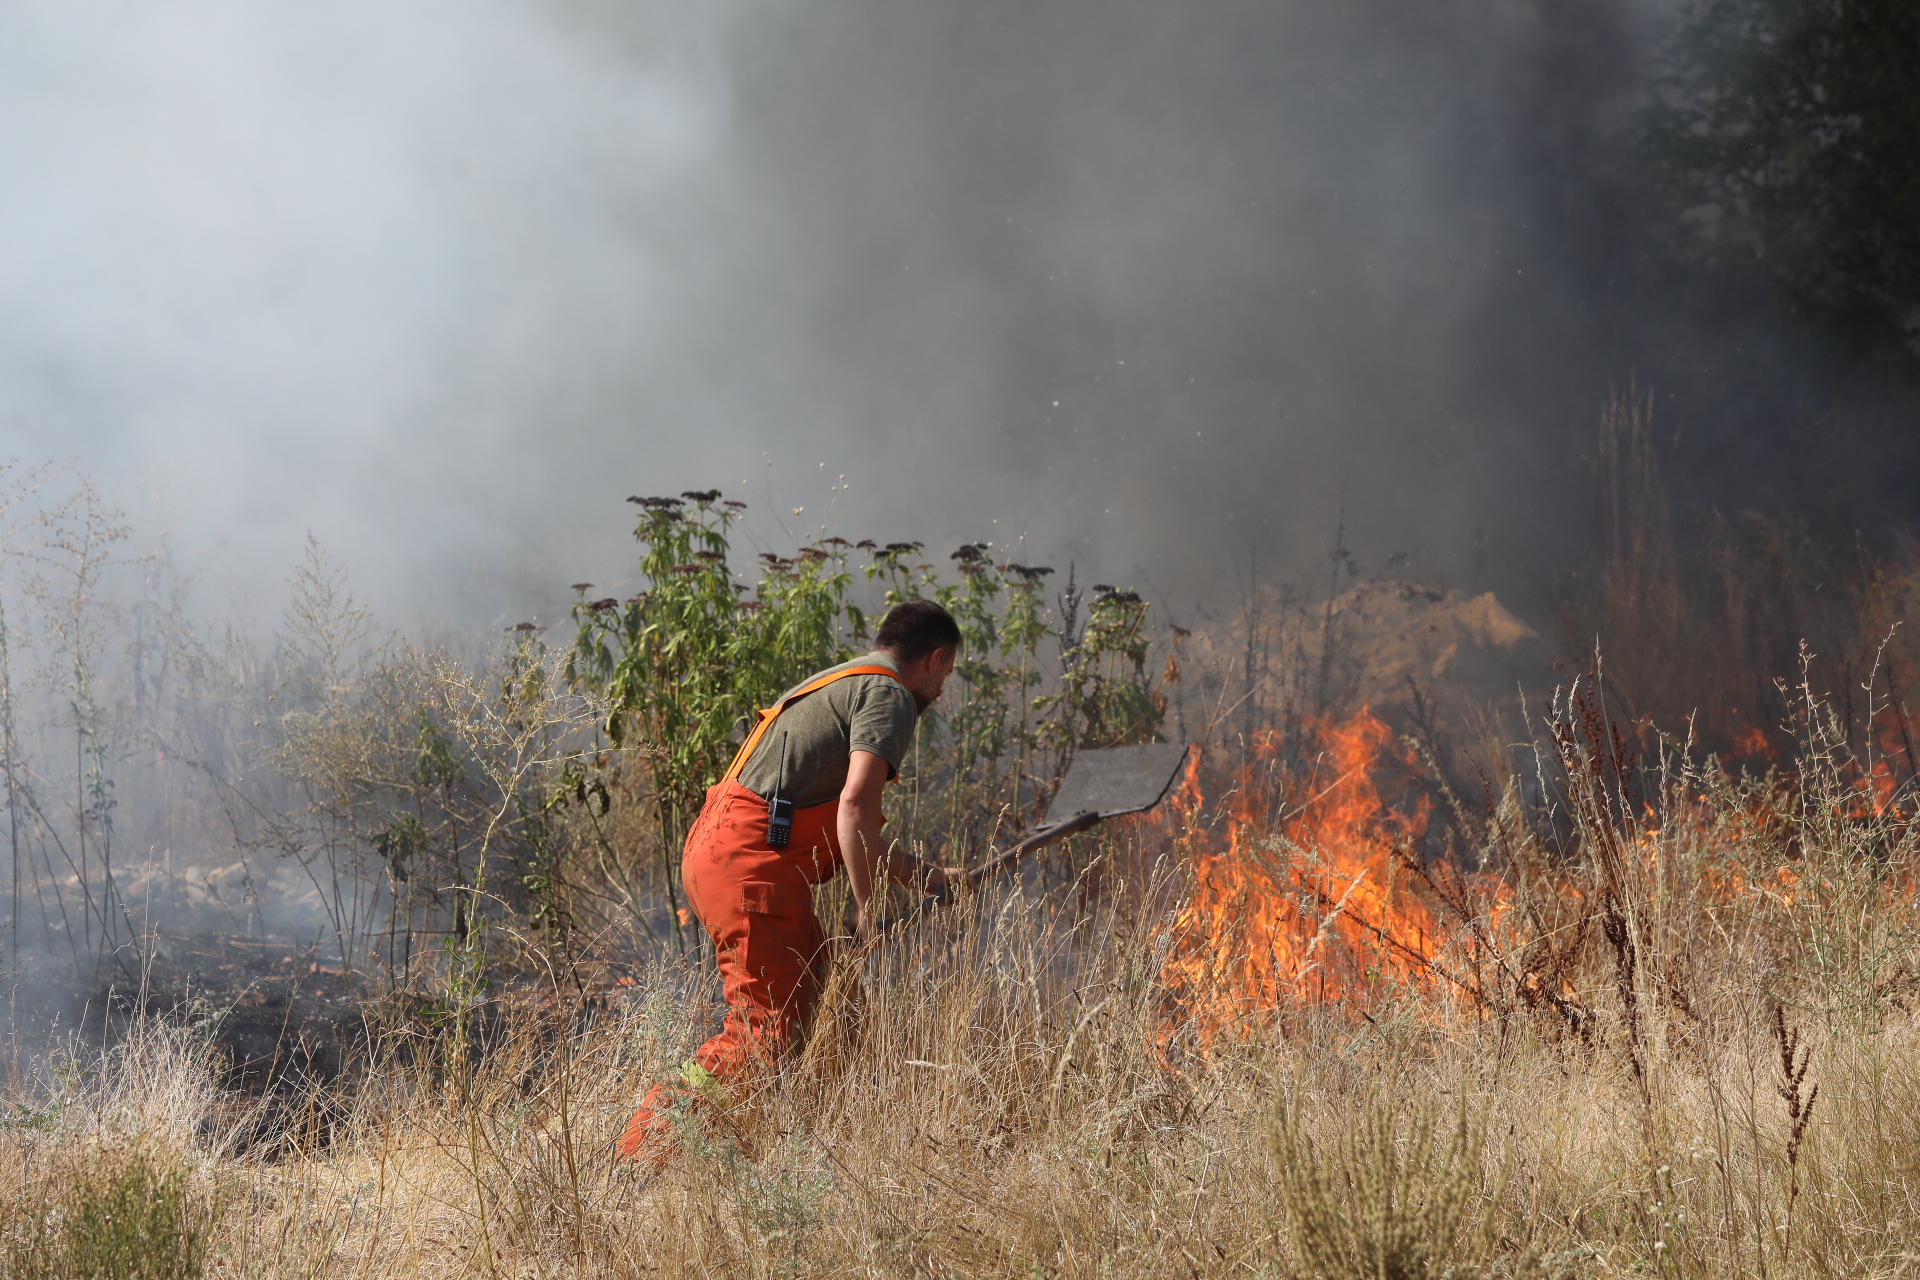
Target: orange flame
[[1309, 887], [1303, 900], [1750, 743]]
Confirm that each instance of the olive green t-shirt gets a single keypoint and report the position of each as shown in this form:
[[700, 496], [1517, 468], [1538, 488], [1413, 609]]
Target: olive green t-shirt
[[859, 713]]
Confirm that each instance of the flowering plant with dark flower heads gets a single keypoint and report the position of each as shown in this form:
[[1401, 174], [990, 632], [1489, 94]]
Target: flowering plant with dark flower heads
[[687, 661]]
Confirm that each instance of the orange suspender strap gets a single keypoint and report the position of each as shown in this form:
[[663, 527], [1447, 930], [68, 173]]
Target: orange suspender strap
[[769, 714]]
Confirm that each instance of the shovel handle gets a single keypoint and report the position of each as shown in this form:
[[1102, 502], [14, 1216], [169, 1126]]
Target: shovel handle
[[986, 871], [1038, 840]]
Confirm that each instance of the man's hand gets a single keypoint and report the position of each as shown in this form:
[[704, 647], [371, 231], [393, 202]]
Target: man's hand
[[863, 851], [942, 879]]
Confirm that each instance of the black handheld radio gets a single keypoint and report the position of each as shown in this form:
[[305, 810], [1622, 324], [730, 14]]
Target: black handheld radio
[[779, 808]]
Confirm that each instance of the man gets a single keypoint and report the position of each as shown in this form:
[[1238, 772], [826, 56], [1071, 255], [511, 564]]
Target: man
[[827, 747]]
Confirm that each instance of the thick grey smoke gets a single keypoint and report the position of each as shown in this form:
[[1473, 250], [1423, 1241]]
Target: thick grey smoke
[[1158, 285]]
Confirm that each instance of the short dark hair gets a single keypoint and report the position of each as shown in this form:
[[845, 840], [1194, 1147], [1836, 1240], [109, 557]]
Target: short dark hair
[[915, 628]]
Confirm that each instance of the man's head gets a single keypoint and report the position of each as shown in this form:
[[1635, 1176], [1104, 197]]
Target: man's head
[[923, 640]]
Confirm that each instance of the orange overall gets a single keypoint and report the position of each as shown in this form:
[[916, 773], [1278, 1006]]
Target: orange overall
[[757, 905]]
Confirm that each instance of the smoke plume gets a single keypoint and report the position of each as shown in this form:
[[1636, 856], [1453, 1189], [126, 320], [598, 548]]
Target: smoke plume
[[1168, 289]]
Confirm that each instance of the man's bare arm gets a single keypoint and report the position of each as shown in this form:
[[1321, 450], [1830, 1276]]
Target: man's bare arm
[[861, 846]]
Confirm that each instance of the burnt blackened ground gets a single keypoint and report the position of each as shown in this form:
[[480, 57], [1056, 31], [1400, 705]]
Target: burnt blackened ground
[[274, 1010], [293, 1034], [286, 1027]]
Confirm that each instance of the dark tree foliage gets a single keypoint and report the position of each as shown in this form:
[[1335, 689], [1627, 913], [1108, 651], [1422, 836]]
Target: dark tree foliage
[[1787, 133]]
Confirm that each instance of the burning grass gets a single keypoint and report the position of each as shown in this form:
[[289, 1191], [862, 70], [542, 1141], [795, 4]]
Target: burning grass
[[1618, 1011], [1305, 897], [1663, 1027]]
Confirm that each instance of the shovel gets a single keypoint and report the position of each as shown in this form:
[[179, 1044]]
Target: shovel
[[1102, 783]]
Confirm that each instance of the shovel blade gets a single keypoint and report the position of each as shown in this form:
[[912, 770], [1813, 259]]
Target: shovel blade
[[1111, 781]]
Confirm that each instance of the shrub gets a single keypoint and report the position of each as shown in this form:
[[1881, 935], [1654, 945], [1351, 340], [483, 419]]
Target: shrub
[[133, 1220], [1393, 1198]]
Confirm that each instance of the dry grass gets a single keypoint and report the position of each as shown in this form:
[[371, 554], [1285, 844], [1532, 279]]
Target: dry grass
[[1688, 1052], [1671, 1032]]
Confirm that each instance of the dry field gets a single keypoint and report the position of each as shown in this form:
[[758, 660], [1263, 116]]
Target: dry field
[[1666, 1030]]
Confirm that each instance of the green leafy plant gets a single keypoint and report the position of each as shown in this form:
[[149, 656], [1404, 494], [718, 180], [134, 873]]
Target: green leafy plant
[[688, 658], [686, 662], [134, 1220]]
